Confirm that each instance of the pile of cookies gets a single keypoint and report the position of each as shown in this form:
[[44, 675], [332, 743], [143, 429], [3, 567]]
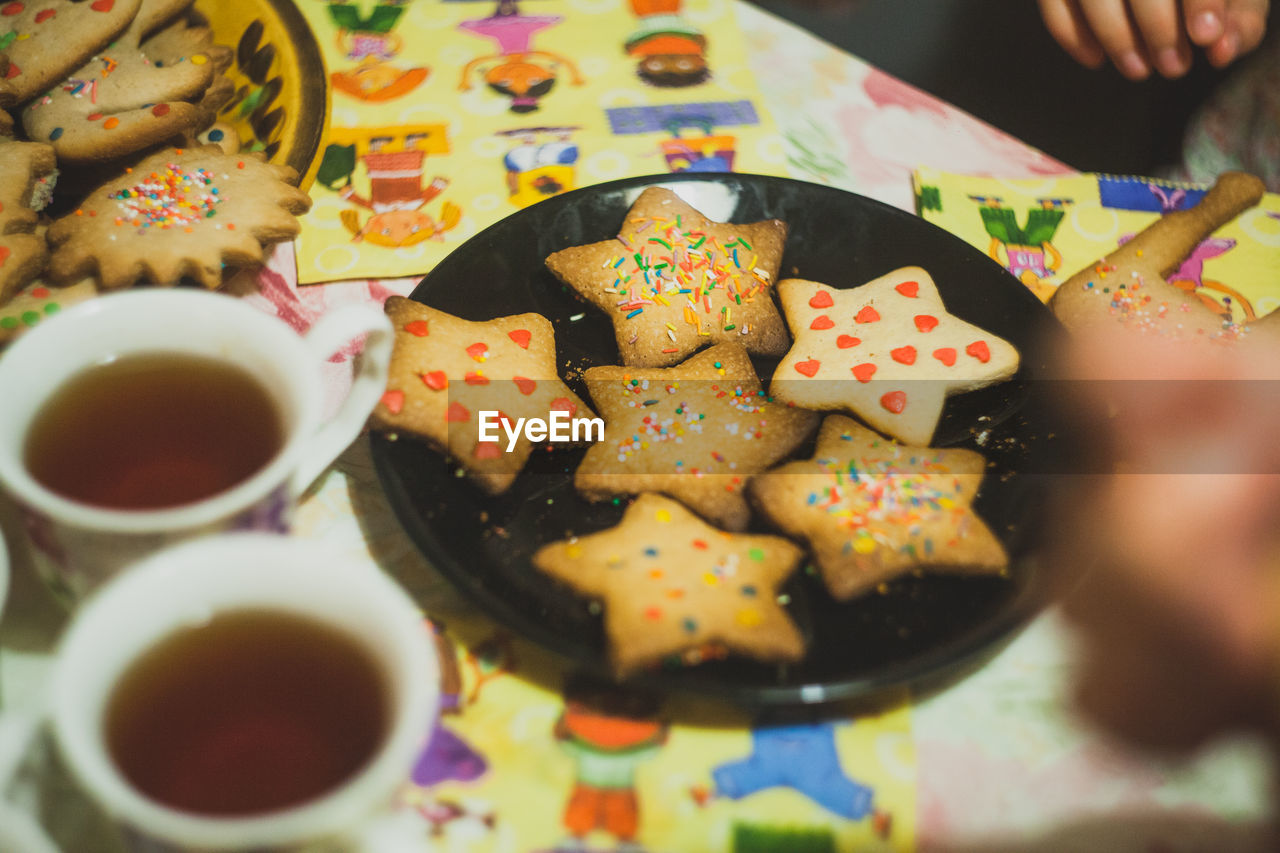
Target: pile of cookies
[[105, 181], [692, 430]]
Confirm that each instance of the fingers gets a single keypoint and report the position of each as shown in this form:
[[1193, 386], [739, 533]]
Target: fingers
[[1066, 23], [1245, 24]]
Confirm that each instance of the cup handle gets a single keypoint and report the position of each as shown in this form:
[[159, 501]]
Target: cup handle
[[327, 336]]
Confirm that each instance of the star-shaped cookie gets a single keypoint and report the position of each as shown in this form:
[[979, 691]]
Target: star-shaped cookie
[[674, 281], [888, 351], [179, 212], [445, 371], [45, 40], [696, 432], [872, 509], [672, 584]]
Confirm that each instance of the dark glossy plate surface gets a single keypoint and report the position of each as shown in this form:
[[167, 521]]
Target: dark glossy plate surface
[[920, 628]]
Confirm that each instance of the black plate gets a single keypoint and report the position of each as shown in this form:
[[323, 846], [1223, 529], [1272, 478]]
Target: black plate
[[920, 628]]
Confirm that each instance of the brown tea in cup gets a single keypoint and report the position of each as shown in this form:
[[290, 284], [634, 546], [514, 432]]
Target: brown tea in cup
[[254, 711], [153, 430]]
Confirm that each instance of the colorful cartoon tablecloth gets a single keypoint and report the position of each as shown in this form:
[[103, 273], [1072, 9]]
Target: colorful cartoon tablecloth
[[529, 756], [448, 116]]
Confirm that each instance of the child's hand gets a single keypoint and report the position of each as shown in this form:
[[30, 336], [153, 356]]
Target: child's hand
[[1139, 35]]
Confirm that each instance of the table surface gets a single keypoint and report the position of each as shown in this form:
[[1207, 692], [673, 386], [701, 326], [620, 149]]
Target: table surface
[[1000, 762]]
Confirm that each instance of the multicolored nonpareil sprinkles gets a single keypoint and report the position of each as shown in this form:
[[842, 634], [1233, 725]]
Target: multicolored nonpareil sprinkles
[[174, 197]]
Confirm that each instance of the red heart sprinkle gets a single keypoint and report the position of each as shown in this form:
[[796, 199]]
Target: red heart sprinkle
[[904, 355], [847, 341], [487, 450], [946, 355], [564, 404], [808, 368], [102, 5], [863, 372], [10, 9], [909, 289], [979, 350], [476, 378], [44, 15], [418, 328], [393, 401], [4, 254], [821, 323], [926, 322], [160, 110], [521, 337], [894, 401], [436, 380], [13, 71], [867, 315], [478, 351], [525, 385], [457, 413], [821, 299]]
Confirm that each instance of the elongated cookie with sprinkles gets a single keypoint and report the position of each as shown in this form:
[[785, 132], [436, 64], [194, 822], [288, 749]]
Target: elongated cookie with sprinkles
[[673, 586], [178, 213], [159, 81], [887, 351], [872, 509], [1128, 287], [697, 432], [25, 169], [674, 281], [445, 372], [45, 40]]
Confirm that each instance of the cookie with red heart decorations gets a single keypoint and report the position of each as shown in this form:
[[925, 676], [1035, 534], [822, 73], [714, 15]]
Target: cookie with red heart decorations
[[672, 585], [674, 281], [887, 351], [872, 509], [45, 40], [445, 372], [697, 432]]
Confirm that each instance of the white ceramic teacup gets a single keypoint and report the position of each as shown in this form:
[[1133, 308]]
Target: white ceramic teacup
[[186, 585], [74, 545]]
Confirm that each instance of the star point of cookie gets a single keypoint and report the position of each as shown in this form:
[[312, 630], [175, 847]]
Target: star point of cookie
[[446, 371], [674, 281], [670, 583], [178, 213], [696, 432], [887, 351], [872, 509]]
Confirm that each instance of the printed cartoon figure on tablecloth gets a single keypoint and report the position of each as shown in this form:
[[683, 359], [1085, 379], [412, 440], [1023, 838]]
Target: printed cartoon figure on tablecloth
[[609, 732], [804, 758], [542, 164], [671, 51], [1029, 252], [1220, 297], [517, 70], [706, 149], [394, 160], [369, 40]]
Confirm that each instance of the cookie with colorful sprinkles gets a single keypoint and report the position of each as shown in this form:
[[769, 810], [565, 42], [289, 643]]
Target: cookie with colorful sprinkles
[[25, 170], [37, 302], [45, 40], [673, 586], [446, 371], [159, 81], [178, 213], [1128, 287], [697, 432], [674, 281], [872, 509], [887, 351]]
